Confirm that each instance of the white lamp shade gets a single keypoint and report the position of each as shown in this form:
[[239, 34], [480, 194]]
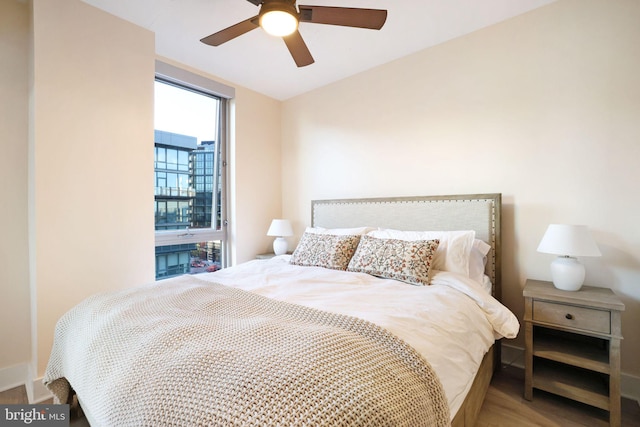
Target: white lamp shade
[[568, 240], [280, 228]]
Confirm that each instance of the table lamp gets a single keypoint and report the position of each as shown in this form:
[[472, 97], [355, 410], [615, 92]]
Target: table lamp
[[568, 242], [280, 228]]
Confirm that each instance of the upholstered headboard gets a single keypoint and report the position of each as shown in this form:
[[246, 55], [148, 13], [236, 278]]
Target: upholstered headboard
[[478, 212]]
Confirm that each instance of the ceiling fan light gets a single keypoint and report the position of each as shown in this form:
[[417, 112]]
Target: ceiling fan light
[[278, 19]]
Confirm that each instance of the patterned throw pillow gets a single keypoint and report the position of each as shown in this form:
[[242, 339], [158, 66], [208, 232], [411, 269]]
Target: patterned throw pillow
[[325, 250], [407, 261]]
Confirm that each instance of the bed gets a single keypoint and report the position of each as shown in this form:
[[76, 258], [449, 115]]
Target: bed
[[296, 340]]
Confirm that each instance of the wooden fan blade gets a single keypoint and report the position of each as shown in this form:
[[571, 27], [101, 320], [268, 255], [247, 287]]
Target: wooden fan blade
[[373, 19], [298, 49], [230, 33]]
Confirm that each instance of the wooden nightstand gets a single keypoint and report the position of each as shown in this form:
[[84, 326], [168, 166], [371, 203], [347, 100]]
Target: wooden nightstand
[[268, 255], [265, 256], [572, 344]]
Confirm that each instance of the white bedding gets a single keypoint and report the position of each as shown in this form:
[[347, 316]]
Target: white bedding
[[452, 323]]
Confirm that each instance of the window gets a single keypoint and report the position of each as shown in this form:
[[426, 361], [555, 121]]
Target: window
[[189, 172]]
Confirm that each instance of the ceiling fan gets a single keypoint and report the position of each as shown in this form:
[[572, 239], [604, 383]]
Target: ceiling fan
[[281, 18]]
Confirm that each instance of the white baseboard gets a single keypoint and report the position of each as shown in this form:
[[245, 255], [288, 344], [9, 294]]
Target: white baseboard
[[40, 392], [13, 376], [630, 387], [20, 375], [512, 356], [629, 384]]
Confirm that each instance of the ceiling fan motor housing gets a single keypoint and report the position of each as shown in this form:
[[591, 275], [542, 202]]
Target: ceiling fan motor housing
[[279, 17], [288, 6]]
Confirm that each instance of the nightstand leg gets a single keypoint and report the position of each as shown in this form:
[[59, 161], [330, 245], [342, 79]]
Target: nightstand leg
[[528, 361], [614, 383]]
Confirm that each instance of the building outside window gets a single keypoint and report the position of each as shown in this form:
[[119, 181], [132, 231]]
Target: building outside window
[[189, 183], [173, 193]]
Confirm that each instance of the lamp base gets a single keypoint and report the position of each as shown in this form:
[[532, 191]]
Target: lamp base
[[280, 246], [567, 273]]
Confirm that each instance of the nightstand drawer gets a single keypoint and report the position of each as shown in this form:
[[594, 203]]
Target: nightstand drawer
[[588, 319]]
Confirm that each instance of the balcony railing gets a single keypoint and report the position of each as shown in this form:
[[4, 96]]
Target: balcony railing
[[175, 192]]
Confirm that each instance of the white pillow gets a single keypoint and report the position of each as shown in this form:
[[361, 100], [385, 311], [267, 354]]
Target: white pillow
[[453, 251], [478, 260], [356, 231], [486, 284]]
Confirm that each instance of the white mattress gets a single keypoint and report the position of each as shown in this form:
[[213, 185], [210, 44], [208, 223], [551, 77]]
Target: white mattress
[[452, 323]]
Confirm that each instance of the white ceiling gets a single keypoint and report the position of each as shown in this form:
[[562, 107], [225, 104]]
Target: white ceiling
[[262, 63]]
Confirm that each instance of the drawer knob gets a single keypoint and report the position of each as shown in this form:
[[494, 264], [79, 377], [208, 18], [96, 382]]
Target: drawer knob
[[569, 316]]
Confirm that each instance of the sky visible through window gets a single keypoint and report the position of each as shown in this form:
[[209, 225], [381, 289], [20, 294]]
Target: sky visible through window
[[185, 112]]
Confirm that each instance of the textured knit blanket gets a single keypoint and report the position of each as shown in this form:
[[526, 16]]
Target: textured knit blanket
[[189, 353]]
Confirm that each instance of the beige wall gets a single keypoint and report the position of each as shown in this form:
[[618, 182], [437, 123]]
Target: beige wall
[[76, 160], [92, 126], [256, 168], [14, 267], [544, 108]]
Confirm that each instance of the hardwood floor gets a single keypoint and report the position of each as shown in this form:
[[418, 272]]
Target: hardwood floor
[[503, 406], [14, 396]]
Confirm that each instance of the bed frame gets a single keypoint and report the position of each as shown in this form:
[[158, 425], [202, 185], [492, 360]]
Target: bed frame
[[478, 212]]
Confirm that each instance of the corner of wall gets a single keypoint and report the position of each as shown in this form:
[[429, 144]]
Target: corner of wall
[[13, 376]]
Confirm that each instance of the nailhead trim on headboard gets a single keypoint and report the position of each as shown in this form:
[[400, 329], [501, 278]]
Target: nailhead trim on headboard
[[479, 212]]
